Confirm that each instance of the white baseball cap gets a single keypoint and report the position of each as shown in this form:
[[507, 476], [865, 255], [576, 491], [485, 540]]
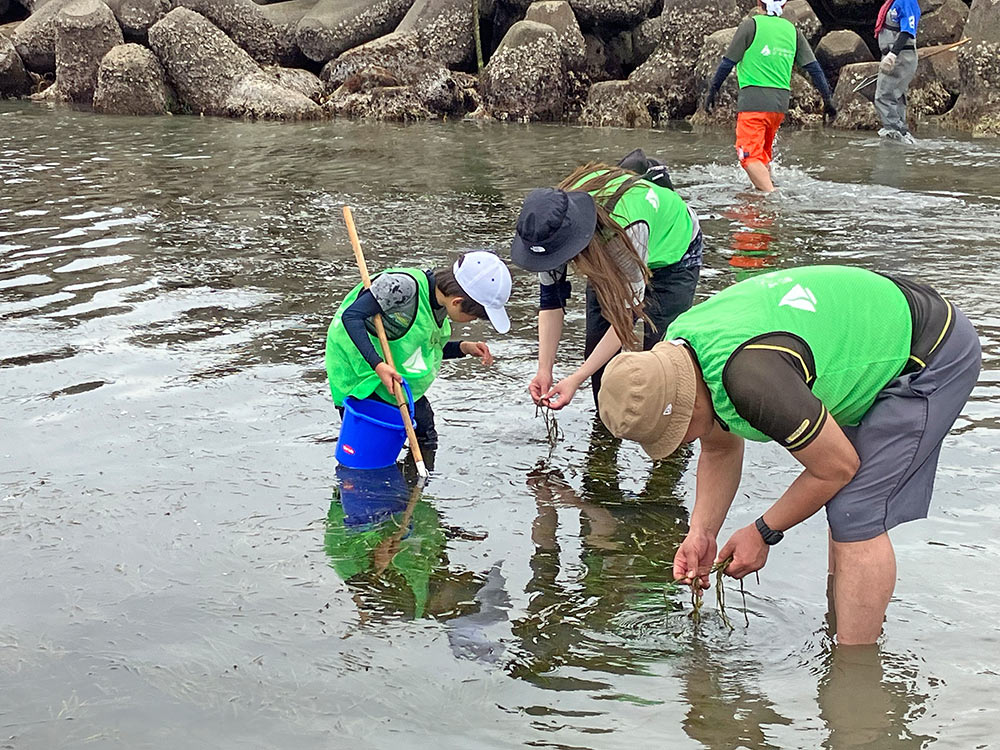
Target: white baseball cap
[[774, 7], [485, 278]]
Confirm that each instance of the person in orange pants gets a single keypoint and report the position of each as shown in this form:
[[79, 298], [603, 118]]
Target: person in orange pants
[[763, 51]]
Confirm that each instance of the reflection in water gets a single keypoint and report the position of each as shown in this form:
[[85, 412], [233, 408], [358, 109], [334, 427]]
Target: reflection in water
[[860, 706], [728, 708], [478, 635], [867, 698], [750, 241], [864, 709], [597, 597], [888, 162], [164, 288], [601, 476], [387, 542]]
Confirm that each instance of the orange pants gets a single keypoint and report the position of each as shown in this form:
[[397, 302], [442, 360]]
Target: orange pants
[[755, 133]]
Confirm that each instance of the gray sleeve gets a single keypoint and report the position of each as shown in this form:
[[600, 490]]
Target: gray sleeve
[[394, 291], [803, 52], [555, 276], [741, 40], [695, 223], [638, 234]]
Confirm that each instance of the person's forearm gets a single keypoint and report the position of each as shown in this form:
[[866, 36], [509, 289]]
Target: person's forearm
[[722, 73], [718, 478], [806, 495], [902, 39], [829, 463], [550, 325], [606, 348], [354, 318], [452, 350], [818, 77]]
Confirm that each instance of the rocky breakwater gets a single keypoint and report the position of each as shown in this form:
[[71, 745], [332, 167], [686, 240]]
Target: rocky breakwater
[[212, 75], [978, 105], [630, 63]]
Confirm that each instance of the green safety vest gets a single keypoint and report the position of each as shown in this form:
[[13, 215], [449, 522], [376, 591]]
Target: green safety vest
[[662, 209], [769, 59], [857, 324], [351, 550], [417, 353]]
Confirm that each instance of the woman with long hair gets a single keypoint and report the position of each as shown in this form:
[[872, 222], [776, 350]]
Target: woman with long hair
[[635, 241]]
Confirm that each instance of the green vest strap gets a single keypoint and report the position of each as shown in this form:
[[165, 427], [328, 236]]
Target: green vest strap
[[612, 201]]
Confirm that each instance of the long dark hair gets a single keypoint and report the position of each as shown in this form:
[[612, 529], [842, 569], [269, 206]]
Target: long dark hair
[[601, 261]]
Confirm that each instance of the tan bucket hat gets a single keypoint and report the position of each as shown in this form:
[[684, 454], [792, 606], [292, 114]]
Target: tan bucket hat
[[649, 397]]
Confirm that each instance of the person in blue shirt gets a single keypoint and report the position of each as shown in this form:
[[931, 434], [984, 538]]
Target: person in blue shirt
[[896, 31]]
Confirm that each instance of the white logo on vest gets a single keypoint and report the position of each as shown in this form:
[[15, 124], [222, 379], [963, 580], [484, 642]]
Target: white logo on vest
[[800, 298], [415, 364], [653, 199], [766, 51]]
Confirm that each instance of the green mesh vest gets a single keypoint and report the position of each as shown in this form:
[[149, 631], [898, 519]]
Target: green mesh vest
[[662, 209], [417, 352], [769, 59], [351, 551], [856, 322]]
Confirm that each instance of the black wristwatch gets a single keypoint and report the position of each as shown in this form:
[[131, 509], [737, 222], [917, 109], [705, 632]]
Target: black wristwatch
[[769, 535]]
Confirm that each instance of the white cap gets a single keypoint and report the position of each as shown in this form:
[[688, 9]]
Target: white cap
[[774, 7], [485, 278]]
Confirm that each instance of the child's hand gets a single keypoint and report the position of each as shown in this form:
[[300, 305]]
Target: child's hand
[[477, 349], [388, 374]]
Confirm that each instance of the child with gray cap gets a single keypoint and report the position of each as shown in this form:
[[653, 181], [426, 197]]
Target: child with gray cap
[[417, 307]]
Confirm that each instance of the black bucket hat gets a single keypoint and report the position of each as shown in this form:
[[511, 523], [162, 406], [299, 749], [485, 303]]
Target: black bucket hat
[[554, 226]]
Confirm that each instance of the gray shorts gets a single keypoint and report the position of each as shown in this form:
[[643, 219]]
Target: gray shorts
[[898, 440]]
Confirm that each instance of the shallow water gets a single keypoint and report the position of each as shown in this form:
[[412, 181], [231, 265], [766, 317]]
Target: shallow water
[[176, 558]]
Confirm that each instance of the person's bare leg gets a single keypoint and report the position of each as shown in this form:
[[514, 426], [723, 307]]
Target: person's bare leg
[[831, 606], [831, 564], [831, 609], [863, 581], [759, 175]]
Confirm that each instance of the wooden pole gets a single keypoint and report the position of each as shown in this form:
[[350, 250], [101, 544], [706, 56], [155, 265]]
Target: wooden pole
[[946, 48], [476, 37], [404, 411], [388, 547]]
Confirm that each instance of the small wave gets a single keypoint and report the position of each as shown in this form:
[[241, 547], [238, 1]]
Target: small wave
[[84, 264], [29, 280]]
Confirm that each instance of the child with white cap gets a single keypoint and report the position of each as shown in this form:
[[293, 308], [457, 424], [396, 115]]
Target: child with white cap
[[417, 307]]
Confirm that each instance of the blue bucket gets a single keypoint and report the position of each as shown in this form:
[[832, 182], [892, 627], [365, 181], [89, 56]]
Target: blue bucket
[[372, 432], [370, 496]]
